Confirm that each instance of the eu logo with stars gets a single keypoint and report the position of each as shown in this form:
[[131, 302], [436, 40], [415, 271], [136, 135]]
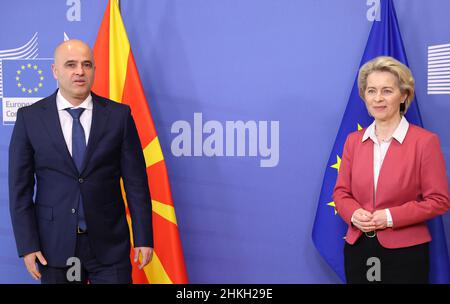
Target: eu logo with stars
[[24, 81], [29, 86]]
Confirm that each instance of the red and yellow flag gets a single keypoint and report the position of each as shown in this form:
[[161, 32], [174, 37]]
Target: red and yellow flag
[[117, 78]]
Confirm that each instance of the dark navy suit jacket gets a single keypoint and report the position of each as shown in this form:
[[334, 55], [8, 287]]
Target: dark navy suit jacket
[[46, 219]]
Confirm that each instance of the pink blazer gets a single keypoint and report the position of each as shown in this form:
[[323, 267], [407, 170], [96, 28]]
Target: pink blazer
[[412, 183]]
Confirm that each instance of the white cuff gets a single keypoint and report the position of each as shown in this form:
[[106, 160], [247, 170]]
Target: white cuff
[[353, 217], [390, 223]]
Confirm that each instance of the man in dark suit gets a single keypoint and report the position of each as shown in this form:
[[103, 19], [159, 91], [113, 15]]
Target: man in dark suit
[[75, 147]]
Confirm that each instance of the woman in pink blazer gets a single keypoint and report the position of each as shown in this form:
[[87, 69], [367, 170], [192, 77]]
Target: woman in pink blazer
[[391, 181]]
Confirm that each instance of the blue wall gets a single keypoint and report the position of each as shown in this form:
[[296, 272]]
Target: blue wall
[[292, 62]]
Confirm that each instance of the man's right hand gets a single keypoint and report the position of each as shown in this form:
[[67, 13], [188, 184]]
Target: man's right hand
[[30, 263]]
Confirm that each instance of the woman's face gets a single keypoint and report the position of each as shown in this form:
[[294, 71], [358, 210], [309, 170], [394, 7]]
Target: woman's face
[[383, 96]]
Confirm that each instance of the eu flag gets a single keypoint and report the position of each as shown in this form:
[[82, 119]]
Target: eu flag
[[28, 78], [329, 229], [22, 83]]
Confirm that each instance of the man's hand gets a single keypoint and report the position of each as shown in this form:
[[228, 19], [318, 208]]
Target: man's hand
[[147, 254], [380, 219], [30, 263], [363, 220]]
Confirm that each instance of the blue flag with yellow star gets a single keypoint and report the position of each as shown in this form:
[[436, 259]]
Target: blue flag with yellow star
[[24, 81], [329, 229]]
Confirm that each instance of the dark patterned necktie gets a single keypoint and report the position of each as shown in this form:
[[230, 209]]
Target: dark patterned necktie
[[78, 151]]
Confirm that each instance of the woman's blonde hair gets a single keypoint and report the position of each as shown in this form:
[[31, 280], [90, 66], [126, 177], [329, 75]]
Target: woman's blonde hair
[[391, 65]]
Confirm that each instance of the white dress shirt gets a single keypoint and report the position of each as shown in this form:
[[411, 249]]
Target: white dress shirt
[[380, 150], [66, 119]]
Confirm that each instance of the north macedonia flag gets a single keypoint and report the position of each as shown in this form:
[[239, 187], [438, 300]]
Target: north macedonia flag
[[117, 78]]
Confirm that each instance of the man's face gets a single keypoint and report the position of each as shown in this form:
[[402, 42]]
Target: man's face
[[74, 69]]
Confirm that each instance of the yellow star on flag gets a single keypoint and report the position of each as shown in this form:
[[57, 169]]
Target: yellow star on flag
[[332, 204], [337, 165], [359, 127]]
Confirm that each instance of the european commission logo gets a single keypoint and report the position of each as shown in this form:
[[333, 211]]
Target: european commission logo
[[439, 69], [24, 79]]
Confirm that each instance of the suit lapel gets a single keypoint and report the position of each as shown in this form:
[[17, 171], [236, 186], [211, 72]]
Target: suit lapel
[[100, 115], [50, 119]]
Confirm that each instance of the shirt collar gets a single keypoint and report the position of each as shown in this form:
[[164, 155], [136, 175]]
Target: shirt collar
[[62, 103], [399, 133]]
